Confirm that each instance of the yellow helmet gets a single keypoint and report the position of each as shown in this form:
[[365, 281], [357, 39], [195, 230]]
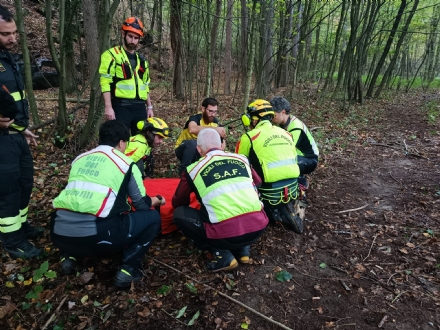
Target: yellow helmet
[[156, 125], [258, 109]]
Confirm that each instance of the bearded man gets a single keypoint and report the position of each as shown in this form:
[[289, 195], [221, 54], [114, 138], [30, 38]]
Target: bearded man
[[186, 144], [125, 79]]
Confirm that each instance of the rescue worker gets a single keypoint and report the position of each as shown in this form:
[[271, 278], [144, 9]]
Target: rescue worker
[[185, 146], [151, 133], [271, 152], [231, 216], [93, 216], [16, 164], [125, 78], [306, 147]]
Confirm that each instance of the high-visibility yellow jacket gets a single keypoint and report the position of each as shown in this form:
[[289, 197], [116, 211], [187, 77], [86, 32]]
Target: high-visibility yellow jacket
[[99, 183], [271, 151], [224, 186], [305, 143], [119, 78], [137, 147]]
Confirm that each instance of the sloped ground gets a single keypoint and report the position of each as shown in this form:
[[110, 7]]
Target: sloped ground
[[375, 266]]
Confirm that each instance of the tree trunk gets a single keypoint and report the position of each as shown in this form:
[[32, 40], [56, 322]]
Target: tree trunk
[[27, 63], [97, 18], [386, 50], [176, 46], [244, 41], [397, 50], [250, 65], [228, 48]]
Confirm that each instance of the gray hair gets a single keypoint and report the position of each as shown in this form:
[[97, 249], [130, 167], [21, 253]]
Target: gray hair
[[279, 104], [208, 138]]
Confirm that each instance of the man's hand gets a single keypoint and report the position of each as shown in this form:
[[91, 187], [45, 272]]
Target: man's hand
[[109, 113], [156, 201], [221, 131], [150, 111], [30, 137], [5, 123]]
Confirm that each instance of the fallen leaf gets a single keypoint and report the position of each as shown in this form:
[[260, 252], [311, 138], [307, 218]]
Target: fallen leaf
[[430, 258], [277, 269], [145, 312], [28, 282], [86, 277], [6, 310], [84, 299], [405, 251], [360, 268], [411, 245], [329, 324]]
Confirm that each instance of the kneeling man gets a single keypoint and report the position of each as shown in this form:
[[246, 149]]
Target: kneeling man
[[231, 216], [93, 215]]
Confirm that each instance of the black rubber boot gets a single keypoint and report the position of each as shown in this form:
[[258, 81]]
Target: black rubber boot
[[125, 275], [17, 245], [31, 231], [221, 260], [68, 265], [242, 255]]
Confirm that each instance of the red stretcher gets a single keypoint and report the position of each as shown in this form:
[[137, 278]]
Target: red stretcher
[[166, 188]]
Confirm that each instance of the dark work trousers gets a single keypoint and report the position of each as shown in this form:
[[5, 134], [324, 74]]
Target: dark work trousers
[[133, 235], [187, 153], [307, 165], [189, 222], [16, 180], [129, 114]]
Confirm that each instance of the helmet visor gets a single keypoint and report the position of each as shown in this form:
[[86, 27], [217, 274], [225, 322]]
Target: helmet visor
[[134, 25]]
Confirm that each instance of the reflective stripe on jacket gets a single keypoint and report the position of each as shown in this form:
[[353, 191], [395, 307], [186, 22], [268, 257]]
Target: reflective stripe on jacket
[[12, 80], [304, 141], [271, 151], [224, 185], [94, 182], [137, 147], [121, 80]]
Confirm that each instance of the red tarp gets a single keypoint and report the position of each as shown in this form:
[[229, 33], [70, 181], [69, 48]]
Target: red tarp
[[166, 188]]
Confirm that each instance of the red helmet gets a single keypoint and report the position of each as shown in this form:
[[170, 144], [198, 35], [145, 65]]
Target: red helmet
[[133, 24]]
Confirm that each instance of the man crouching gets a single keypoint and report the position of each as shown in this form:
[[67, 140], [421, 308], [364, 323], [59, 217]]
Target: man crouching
[[231, 216], [93, 217]]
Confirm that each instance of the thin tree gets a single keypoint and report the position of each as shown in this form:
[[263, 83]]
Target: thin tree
[[228, 47], [386, 49], [176, 46], [27, 62]]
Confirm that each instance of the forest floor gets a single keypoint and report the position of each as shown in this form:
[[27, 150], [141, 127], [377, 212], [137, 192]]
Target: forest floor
[[369, 256]]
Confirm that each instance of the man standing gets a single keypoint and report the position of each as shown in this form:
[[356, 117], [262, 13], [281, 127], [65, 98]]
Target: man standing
[[16, 165], [306, 147], [231, 216], [125, 78], [94, 217], [185, 146]]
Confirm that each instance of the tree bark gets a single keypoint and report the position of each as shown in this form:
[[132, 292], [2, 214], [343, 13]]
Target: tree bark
[[228, 48], [176, 46], [27, 63], [386, 50]]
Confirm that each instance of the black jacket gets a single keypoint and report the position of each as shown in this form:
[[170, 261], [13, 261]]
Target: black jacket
[[11, 81]]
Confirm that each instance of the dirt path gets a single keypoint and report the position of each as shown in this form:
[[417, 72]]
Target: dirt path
[[378, 265]]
